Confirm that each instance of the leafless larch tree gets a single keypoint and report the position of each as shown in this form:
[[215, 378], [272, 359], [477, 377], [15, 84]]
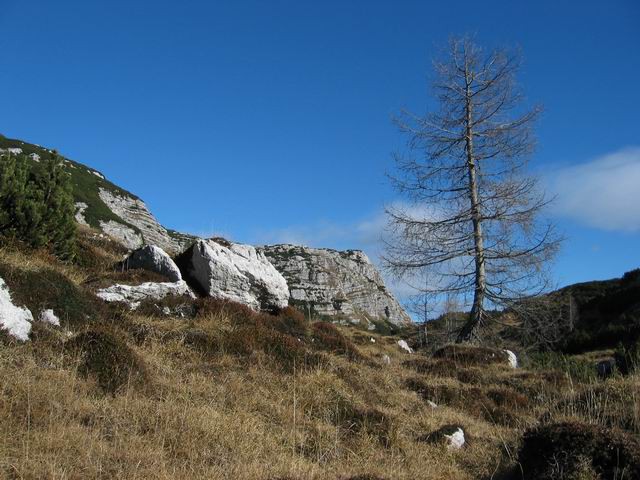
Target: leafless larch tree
[[471, 221]]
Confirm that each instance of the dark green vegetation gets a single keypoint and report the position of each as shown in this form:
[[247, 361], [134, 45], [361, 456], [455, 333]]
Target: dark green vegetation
[[36, 204]]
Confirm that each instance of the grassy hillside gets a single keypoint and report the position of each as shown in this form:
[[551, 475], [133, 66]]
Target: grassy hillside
[[86, 183], [225, 393]]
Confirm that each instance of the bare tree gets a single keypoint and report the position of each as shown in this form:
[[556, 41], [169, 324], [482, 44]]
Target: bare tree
[[471, 221]]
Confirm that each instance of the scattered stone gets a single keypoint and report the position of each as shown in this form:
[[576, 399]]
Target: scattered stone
[[343, 284], [386, 359], [47, 316], [450, 435], [132, 295], [154, 259], [405, 346], [16, 321], [373, 340], [234, 271]]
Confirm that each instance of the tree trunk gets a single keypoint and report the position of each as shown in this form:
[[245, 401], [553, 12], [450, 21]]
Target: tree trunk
[[470, 331]]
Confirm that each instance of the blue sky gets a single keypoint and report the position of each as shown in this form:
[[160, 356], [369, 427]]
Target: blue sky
[[270, 121]]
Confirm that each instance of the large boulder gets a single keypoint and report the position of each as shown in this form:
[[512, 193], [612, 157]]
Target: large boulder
[[16, 321], [234, 271], [340, 284], [154, 259]]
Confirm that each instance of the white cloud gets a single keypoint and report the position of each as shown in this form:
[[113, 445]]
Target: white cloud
[[603, 193]]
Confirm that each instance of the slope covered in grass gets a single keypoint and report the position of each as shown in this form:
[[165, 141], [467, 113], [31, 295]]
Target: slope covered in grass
[[226, 393]]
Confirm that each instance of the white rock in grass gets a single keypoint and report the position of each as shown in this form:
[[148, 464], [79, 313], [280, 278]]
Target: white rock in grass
[[154, 259], [134, 294], [15, 320], [432, 404], [47, 316], [513, 360], [235, 271], [386, 359], [455, 441], [405, 346]]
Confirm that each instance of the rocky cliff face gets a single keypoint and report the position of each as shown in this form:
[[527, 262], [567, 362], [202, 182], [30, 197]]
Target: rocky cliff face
[[340, 284]]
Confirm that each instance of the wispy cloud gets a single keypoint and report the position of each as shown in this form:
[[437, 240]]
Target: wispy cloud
[[603, 193]]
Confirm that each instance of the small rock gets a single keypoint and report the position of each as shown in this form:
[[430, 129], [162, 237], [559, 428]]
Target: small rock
[[432, 404], [373, 340], [451, 435], [513, 360], [386, 359], [47, 316], [456, 439], [405, 346]]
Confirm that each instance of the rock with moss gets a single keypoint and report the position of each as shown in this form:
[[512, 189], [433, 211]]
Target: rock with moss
[[339, 284], [234, 271]]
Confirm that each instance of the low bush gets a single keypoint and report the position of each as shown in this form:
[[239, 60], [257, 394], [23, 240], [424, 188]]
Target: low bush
[[468, 355], [367, 420], [563, 450], [495, 405], [104, 356], [326, 336]]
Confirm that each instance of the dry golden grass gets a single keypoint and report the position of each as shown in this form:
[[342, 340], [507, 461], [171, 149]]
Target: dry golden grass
[[209, 407]]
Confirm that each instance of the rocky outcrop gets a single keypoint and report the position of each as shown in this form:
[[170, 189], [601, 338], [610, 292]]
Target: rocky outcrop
[[341, 284], [235, 272], [133, 295], [135, 213], [16, 321], [154, 259]]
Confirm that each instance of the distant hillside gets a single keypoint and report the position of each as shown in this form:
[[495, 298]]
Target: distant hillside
[[608, 312], [103, 205]]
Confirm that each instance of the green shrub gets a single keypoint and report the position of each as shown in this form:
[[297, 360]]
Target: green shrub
[[36, 204]]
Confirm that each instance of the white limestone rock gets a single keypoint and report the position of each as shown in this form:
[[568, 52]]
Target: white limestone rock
[[132, 295], [127, 236], [336, 283], [48, 316], [154, 259], [235, 272], [134, 212], [16, 321], [513, 360], [405, 346], [456, 440], [80, 208]]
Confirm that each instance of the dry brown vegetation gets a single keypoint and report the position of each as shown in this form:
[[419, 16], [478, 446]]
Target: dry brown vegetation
[[227, 393]]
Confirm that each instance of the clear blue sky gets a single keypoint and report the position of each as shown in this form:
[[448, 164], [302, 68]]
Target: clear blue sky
[[270, 121]]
